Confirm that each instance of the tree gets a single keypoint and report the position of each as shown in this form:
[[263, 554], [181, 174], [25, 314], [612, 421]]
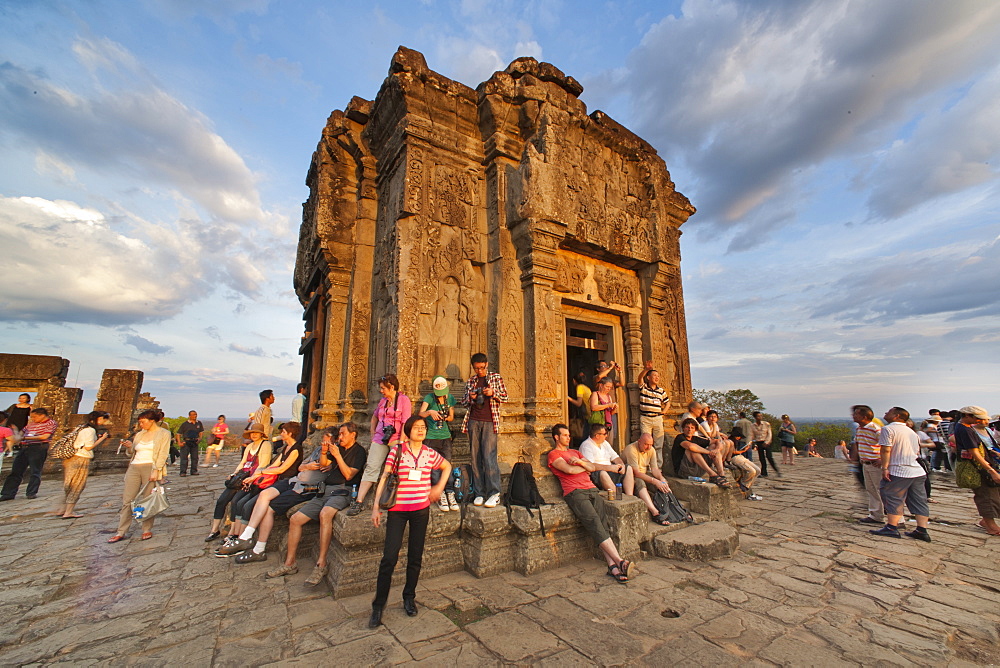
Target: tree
[[730, 403]]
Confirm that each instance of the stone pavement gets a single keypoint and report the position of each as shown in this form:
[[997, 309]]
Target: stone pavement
[[808, 587]]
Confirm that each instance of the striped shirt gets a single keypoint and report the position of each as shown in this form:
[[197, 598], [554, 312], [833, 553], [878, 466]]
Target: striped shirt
[[652, 400], [414, 494], [867, 439]]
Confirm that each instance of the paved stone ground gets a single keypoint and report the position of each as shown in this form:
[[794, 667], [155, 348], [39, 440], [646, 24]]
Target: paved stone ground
[[808, 587]]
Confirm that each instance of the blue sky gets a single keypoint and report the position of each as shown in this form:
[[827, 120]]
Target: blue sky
[[843, 155]]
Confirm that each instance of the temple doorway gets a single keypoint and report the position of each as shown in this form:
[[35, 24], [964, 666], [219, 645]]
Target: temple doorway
[[586, 344]]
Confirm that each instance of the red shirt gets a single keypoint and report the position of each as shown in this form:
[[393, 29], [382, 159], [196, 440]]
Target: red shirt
[[569, 481], [414, 494]]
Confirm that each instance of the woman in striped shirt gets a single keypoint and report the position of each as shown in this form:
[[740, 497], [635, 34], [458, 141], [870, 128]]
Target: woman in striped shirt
[[413, 462]]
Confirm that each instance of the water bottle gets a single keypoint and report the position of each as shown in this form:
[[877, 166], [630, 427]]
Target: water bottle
[[618, 491], [354, 494], [694, 478]]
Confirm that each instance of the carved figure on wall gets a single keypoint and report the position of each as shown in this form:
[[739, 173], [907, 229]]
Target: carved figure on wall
[[570, 275], [615, 289]]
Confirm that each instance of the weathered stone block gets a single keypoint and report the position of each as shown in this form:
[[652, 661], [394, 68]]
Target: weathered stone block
[[628, 524], [488, 546], [707, 499], [701, 542]]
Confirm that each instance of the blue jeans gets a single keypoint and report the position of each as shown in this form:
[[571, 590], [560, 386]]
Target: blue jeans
[[485, 467]]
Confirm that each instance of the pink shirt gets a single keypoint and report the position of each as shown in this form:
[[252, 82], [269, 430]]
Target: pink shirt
[[414, 494]]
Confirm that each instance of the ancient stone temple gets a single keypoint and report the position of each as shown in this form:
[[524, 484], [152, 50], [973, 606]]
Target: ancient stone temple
[[443, 221]]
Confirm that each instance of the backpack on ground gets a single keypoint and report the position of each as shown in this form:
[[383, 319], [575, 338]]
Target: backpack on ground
[[522, 490], [65, 446], [671, 508], [463, 488]]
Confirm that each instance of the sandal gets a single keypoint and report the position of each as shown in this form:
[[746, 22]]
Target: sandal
[[720, 481], [147, 535], [623, 566], [661, 520], [115, 539], [619, 577]]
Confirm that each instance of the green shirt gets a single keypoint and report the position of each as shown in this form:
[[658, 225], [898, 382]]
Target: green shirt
[[436, 429]]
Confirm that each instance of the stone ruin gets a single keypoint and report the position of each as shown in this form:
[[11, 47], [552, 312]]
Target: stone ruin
[[44, 377], [444, 220]]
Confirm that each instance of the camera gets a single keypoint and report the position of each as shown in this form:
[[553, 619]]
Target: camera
[[387, 431], [480, 398]]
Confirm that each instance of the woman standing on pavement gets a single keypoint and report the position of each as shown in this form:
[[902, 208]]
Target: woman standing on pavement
[[974, 442], [77, 468], [413, 461], [149, 448], [786, 434]]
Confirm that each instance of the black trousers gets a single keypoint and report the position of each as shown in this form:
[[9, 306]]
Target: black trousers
[[189, 451], [394, 526], [223, 501], [174, 453], [764, 453], [29, 456]]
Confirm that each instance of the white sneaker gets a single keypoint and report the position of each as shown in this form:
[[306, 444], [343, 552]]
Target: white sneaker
[[443, 503], [478, 501], [452, 501], [755, 497], [492, 501]]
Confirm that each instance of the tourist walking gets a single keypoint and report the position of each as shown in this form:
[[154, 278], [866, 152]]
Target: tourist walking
[[31, 454], [866, 440], [760, 433], [438, 406], [413, 461], [484, 392], [188, 438], [77, 468], [902, 476], [975, 443], [786, 435], [218, 441], [392, 412], [149, 447], [256, 456]]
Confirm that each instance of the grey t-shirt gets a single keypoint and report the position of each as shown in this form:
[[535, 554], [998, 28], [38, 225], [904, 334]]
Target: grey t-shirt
[[310, 478]]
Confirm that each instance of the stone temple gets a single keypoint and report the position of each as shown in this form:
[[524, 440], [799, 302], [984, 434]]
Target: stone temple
[[443, 221]]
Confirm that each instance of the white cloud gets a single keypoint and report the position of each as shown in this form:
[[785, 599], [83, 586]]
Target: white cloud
[[71, 265]]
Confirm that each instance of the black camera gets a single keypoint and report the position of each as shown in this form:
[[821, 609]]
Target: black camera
[[388, 430], [480, 398]]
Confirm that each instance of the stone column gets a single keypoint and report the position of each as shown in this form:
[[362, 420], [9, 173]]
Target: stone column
[[118, 395]]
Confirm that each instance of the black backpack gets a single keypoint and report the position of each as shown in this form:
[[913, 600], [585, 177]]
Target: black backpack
[[671, 508], [463, 487], [522, 490]]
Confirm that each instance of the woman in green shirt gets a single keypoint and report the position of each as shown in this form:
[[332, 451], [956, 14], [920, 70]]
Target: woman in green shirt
[[438, 407]]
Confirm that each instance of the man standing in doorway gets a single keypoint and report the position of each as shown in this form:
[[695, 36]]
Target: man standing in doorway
[[653, 404], [31, 453], [484, 392], [188, 437]]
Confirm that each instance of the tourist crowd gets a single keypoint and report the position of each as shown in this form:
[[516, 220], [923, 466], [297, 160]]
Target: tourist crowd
[[407, 466]]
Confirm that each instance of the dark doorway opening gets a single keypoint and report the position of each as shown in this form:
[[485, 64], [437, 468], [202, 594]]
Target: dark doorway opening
[[586, 345]]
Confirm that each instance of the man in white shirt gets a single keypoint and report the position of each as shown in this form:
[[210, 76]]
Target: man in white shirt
[[611, 469], [902, 476]]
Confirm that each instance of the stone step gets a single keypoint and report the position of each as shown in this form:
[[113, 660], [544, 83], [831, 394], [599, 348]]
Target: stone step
[[701, 542], [658, 529]]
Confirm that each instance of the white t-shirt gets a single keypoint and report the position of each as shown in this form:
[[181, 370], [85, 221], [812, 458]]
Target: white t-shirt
[[598, 454], [143, 447], [84, 440], [905, 450]]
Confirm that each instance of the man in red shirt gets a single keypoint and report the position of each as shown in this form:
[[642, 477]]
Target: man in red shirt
[[580, 494], [31, 452]]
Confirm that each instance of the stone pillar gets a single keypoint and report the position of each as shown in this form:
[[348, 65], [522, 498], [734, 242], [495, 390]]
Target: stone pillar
[[118, 395]]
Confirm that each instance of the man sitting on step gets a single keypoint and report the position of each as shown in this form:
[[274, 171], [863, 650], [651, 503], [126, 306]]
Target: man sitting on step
[[348, 464], [641, 459], [580, 494]]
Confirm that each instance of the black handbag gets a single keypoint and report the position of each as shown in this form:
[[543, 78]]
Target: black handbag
[[235, 481], [388, 498]]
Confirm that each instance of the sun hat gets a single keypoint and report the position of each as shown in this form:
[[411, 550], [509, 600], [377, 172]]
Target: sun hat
[[254, 427], [977, 411]]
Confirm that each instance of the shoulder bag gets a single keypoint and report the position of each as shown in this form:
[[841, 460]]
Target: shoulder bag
[[65, 447], [388, 498]]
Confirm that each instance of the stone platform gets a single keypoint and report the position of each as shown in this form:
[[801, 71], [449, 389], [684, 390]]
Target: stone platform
[[809, 586]]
